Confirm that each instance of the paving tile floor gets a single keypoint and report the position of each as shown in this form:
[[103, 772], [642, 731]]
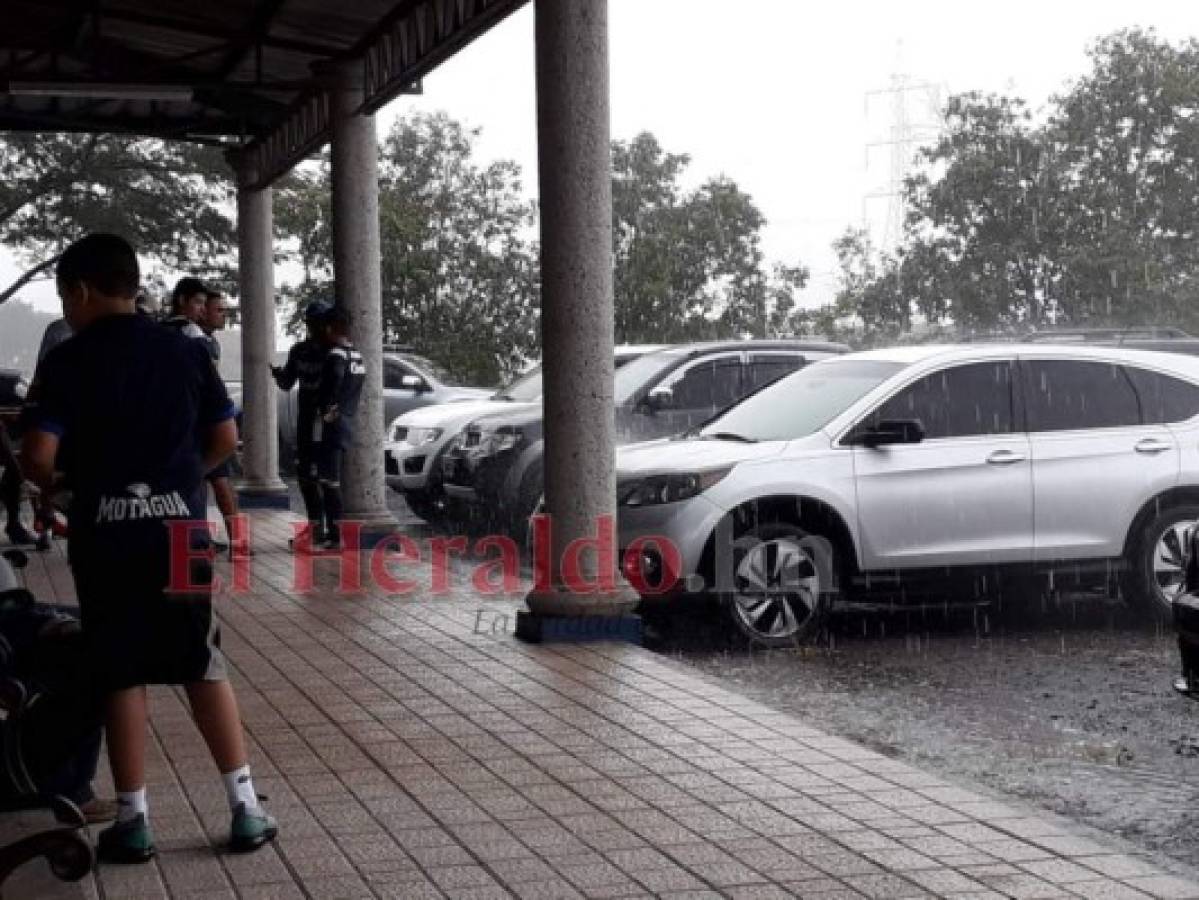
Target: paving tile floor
[[411, 748]]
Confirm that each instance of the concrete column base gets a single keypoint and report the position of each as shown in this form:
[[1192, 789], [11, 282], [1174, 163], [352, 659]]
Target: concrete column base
[[561, 615], [256, 495], [372, 530], [535, 629]]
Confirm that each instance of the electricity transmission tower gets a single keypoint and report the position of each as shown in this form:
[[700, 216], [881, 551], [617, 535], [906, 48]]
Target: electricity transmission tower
[[915, 113]]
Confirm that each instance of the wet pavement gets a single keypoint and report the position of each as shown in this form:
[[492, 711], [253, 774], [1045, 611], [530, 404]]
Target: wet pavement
[[1068, 705], [409, 752]]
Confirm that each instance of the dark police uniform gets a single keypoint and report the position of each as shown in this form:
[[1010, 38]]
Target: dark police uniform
[[132, 403], [340, 391], [305, 362]]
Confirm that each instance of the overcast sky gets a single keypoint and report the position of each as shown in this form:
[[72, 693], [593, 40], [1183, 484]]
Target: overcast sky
[[773, 93]]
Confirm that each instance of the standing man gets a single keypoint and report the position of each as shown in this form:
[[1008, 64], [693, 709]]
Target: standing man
[[305, 362], [337, 403], [140, 416], [188, 302], [189, 313], [212, 321]]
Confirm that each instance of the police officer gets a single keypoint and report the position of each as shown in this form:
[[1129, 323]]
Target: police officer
[[305, 361], [342, 378]]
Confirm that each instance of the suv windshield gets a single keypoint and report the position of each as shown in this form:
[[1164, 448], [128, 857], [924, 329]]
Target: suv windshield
[[803, 403], [633, 376], [435, 369], [524, 389]]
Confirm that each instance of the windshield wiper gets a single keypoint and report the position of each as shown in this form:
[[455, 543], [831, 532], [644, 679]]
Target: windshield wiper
[[729, 436]]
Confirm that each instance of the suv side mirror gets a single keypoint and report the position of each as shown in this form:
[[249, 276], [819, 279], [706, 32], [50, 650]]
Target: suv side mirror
[[414, 383], [886, 432]]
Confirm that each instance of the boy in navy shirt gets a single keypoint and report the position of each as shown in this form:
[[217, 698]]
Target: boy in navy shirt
[[139, 415]]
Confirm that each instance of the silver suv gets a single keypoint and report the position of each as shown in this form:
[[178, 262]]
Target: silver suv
[[917, 461]]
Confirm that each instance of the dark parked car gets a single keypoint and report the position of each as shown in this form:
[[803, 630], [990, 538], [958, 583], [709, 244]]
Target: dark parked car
[[13, 388], [495, 464]]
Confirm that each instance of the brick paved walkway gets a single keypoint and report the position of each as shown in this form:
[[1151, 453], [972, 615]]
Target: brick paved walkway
[[409, 752]]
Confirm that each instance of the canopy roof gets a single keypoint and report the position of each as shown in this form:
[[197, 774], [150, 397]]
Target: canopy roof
[[241, 73]]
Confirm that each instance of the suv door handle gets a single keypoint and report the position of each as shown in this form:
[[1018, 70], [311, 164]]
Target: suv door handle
[[1005, 458], [1153, 445]]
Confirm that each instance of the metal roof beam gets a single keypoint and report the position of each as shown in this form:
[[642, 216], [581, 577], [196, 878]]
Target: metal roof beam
[[256, 29], [166, 23], [407, 44]]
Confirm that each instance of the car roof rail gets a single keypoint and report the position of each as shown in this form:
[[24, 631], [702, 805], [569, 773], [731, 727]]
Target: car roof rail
[[1109, 335]]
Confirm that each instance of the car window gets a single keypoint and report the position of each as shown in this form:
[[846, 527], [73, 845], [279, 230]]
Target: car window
[[962, 401], [767, 367], [710, 384], [524, 389], [805, 401], [393, 374], [1164, 398], [1065, 395]]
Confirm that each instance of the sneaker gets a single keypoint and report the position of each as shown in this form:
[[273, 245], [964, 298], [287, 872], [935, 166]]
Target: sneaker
[[126, 842], [251, 828]]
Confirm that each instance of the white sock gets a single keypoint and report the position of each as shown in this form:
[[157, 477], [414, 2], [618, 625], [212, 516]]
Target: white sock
[[239, 788], [131, 803]]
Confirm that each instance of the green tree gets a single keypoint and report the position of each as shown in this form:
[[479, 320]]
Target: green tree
[[459, 269], [1085, 217], [1128, 133], [173, 200], [689, 264]]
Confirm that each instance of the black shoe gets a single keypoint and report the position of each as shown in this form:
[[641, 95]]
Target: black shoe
[[251, 829], [316, 533], [45, 541], [19, 534], [126, 842]]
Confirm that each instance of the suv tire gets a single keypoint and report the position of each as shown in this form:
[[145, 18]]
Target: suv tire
[[780, 593], [1153, 572]]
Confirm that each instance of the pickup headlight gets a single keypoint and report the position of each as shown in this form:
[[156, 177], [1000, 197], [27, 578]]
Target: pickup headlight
[[493, 442], [673, 487], [418, 437]]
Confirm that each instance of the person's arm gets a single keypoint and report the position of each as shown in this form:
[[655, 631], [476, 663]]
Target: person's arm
[[48, 409], [218, 429], [38, 451], [286, 375], [219, 443], [332, 376]]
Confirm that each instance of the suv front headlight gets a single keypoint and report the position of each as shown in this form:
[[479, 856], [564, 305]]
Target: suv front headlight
[[673, 487], [418, 437]]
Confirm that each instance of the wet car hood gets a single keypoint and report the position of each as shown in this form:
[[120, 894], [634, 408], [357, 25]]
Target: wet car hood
[[691, 455], [456, 394], [443, 415], [526, 418]]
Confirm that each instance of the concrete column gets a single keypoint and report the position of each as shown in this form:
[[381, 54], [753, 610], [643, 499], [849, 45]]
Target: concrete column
[[356, 262], [576, 299], [260, 484]]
